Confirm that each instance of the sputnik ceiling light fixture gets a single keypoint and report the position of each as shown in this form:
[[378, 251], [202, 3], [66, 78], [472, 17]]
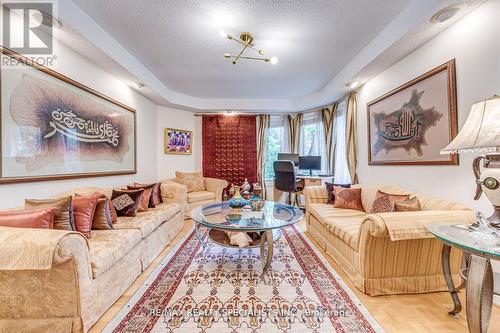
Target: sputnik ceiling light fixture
[[246, 40]]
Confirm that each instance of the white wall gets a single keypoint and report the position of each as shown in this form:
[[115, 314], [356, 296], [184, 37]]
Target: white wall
[[82, 70], [167, 163], [474, 43]]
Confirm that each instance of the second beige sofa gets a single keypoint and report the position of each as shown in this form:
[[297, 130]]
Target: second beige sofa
[[212, 193], [385, 253]]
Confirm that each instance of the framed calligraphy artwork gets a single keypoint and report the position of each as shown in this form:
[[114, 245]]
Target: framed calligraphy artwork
[[53, 127], [412, 123], [178, 141]]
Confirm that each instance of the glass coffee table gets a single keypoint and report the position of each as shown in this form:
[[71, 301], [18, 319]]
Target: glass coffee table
[[220, 217], [477, 275]]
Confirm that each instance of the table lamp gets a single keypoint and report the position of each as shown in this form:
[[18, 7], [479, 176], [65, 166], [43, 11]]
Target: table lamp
[[481, 134]]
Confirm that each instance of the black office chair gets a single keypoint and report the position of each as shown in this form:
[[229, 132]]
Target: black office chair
[[285, 179]]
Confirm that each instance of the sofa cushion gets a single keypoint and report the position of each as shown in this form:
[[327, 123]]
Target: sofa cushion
[[109, 246], [84, 208], [146, 196], [200, 196], [36, 218], [343, 223], [155, 196], [127, 202], [102, 216], [194, 180], [147, 222], [63, 211], [384, 202]]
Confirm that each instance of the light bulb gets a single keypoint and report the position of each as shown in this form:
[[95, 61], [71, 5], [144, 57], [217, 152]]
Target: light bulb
[[273, 60], [353, 85], [222, 33]]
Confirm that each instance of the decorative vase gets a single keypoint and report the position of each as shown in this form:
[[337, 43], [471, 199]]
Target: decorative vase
[[257, 190], [246, 187]]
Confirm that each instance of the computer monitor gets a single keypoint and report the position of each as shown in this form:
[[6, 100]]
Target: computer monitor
[[310, 163], [289, 157]]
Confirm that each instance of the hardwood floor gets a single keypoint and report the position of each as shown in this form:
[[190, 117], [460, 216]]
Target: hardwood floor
[[399, 313]]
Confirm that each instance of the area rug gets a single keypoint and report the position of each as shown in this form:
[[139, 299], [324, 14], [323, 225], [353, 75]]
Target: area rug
[[220, 290]]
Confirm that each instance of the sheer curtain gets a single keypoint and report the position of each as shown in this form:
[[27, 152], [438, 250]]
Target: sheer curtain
[[341, 169], [262, 143], [312, 142], [277, 142]]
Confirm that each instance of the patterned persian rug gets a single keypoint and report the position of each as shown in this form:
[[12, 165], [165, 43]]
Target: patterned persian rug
[[220, 290]]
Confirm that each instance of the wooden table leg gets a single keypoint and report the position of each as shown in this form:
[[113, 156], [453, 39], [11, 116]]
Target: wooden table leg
[[479, 294]]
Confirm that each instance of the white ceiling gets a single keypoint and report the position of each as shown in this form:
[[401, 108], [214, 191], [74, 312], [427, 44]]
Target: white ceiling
[[173, 46], [179, 42]]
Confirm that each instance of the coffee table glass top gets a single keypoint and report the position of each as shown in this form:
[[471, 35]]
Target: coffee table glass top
[[458, 235], [221, 216]]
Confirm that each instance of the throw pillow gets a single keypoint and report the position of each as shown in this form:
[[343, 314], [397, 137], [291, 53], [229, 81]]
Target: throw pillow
[[384, 202], [193, 181], [112, 210], [155, 196], [347, 198], [63, 211], [146, 196], [410, 205], [126, 202], [83, 213], [329, 189], [36, 218], [102, 217]]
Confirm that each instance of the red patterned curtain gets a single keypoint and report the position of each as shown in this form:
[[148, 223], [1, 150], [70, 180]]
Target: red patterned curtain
[[230, 148]]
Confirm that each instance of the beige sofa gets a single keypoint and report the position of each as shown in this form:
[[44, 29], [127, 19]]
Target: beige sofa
[[58, 281], [212, 193], [386, 253]]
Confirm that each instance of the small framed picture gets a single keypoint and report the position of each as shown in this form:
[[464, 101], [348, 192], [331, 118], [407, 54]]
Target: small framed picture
[[178, 141]]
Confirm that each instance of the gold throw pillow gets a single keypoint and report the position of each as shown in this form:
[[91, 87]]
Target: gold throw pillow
[[410, 205], [63, 211], [194, 181], [102, 216]]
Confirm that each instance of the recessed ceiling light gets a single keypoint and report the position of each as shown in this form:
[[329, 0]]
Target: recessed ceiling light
[[446, 13]]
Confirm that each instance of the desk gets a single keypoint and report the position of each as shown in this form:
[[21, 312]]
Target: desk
[[308, 181]]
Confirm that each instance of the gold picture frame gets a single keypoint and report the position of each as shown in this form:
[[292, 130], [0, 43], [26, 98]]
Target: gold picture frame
[[178, 141], [428, 107], [71, 151]]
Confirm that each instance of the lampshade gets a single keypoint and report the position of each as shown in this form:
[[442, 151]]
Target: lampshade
[[481, 131]]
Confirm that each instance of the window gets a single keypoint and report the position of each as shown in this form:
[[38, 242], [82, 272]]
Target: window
[[277, 142], [312, 138], [341, 168]]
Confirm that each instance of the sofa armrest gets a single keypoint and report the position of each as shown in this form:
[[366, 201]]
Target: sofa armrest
[[172, 192], [412, 225], [31, 291], [216, 186]]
